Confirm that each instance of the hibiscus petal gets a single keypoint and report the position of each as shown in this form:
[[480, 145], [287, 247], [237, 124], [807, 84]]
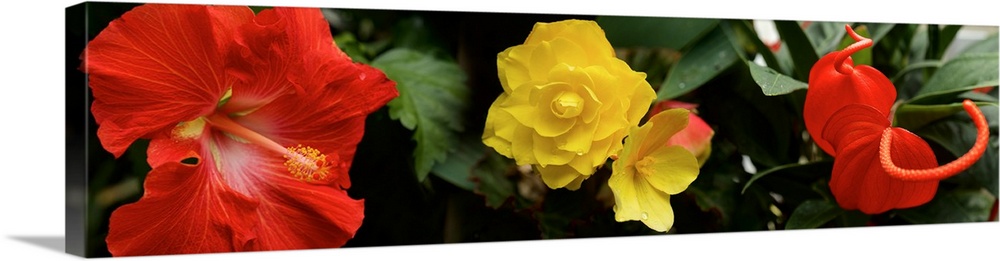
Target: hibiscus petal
[[156, 66], [292, 214], [302, 216], [182, 211], [285, 121], [858, 180], [291, 49]]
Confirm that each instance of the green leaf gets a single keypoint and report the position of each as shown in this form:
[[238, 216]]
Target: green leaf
[[672, 33], [813, 214], [914, 116], [957, 134], [350, 45], [879, 30], [793, 169], [457, 168], [852, 218], [490, 175], [825, 36], [764, 51], [801, 50], [915, 66], [960, 205], [709, 57], [965, 72], [980, 97], [946, 37], [863, 56], [773, 83], [986, 45], [432, 97]]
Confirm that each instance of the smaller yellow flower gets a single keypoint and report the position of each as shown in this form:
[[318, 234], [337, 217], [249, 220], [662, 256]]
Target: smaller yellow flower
[[648, 171]]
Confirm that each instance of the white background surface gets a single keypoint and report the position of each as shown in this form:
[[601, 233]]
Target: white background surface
[[32, 147]]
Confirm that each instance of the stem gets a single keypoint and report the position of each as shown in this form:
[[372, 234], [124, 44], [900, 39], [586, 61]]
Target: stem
[[947, 170], [860, 43], [224, 123]]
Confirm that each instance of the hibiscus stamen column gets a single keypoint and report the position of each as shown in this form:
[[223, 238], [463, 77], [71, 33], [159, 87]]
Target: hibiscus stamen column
[[303, 162], [947, 170]]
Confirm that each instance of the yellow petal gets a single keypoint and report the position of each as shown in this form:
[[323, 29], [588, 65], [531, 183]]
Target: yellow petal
[[548, 124], [548, 153], [671, 169], [656, 211], [575, 184], [558, 176], [567, 52], [602, 147], [637, 200], [588, 34], [499, 130], [578, 140], [522, 146], [583, 163], [661, 127], [513, 67]]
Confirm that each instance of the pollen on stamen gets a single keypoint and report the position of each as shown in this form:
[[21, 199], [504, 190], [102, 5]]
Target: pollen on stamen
[[307, 164]]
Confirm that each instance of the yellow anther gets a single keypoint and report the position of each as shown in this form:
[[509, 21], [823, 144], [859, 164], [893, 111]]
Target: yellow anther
[[307, 164]]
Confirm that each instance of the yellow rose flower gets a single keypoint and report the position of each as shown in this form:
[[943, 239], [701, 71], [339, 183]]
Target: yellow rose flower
[[567, 103], [648, 171]]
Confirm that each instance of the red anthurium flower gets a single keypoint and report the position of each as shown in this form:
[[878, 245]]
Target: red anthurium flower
[[834, 83], [253, 121], [877, 167]]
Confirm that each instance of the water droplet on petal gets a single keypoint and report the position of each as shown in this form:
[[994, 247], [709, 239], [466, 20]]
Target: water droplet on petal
[[645, 216], [680, 85]]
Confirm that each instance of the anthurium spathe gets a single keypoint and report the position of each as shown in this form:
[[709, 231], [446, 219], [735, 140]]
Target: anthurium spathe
[[567, 103], [648, 171], [253, 122], [877, 167], [880, 167], [834, 82]]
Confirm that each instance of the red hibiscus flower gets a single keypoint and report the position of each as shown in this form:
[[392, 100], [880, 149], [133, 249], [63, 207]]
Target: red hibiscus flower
[[877, 167], [253, 122]]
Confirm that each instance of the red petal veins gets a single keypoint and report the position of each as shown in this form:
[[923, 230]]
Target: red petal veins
[[260, 59], [182, 211], [291, 50], [287, 121], [156, 66], [237, 197], [300, 215], [292, 214], [830, 90], [858, 181]]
